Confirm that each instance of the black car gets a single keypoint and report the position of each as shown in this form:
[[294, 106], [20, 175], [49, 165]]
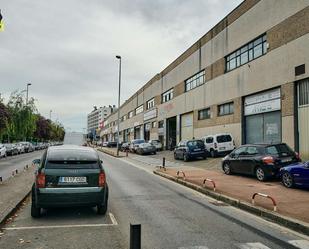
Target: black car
[[111, 144], [69, 176], [260, 160], [190, 149]]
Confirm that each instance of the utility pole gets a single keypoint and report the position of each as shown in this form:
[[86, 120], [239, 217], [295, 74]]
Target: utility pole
[[118, 119]]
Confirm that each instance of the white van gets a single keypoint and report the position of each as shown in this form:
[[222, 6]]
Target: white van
[[219, 144]]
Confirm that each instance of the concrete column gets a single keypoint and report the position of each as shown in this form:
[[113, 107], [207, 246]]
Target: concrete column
[[177, 129]]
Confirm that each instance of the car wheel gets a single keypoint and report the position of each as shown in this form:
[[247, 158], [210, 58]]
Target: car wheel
[[155, 153], [35, 211], [175, 157], [185, 157], [260, 174], [227, 168], [102, 209], [287, 180], [213, 153]]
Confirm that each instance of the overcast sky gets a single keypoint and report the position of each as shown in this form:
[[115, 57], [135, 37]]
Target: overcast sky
[[67, 48]]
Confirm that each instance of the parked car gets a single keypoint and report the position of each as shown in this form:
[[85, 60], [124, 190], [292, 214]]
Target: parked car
[[189, 149], [68, 176], [28, 146], [104, 144], [146, 148], [260, 160], [295, 175], [2, 151], [20, 148], [125, 146], [135, 143], [11, 149], [219, 144], [111, 144], [156, 143]]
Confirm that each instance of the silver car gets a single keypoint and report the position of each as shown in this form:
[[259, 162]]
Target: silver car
[[146, 148], [2, 151], [156, 143]]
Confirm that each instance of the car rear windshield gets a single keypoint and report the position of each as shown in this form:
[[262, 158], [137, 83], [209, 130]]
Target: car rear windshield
[[224, 138], [72, 159], [196, 143], [279, 150], [139, 141]]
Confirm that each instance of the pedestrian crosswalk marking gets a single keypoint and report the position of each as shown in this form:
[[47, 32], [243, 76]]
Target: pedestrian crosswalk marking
[[254, 245], [301, 244]]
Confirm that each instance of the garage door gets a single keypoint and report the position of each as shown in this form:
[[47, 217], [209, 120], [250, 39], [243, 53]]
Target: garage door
[[303, 118], [187, 126], [263, 128]]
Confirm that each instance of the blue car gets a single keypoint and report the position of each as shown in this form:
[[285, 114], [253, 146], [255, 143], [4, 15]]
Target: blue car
[[295, 175]]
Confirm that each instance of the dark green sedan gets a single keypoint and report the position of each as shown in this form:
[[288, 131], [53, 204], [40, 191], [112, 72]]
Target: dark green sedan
[[68, 176]]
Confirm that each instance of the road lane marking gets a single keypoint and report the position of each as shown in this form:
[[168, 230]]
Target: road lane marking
[[194, 247], [255, 245], [112, 217], [301, 244]]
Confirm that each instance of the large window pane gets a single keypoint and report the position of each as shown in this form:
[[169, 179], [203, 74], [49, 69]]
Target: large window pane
[[244, 58], [258, 50]]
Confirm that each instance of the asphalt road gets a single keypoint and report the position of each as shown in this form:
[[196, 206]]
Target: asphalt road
[[171, 216], [10, 163]]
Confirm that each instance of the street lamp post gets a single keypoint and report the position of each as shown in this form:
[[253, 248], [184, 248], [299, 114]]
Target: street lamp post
[[118, 119], [29, 84]]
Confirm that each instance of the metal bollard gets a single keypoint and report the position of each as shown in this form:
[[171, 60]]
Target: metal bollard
[[1, 179], [127, 153], [163, 162], [135, 236]]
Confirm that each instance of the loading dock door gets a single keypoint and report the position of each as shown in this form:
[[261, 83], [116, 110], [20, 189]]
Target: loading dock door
[[303, 118], [186, 126]]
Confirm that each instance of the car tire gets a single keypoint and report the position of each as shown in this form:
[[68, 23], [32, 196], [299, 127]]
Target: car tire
[[102, 209], [213, 153], [175, 157], [155, 153], [185, 158], [226, 168], [260, 174], [35, 211], [287, 180]]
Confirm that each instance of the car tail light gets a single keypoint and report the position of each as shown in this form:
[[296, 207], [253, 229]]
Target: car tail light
[[40, 180], [101, 179], [268, 160], [297, 155], [215, 144]]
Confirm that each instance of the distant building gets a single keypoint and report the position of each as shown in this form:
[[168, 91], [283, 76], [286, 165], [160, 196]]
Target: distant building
[[96, 117]]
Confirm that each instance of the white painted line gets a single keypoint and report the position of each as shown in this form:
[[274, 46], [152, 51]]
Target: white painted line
[[194, 247], [256, 245], [112, 217], [301, 244]]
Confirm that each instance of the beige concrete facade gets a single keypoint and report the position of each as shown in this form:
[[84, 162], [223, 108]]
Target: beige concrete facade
[[286, 25]]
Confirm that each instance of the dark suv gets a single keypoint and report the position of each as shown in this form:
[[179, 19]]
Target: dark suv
[[69, 176], [261, 160], [189, 149]]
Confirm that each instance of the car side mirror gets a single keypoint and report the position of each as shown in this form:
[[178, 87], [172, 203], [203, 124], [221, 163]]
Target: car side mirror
[[36, 162]]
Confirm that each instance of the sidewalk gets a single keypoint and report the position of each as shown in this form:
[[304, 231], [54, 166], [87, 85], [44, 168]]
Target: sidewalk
[[14, 190], [290, 202]]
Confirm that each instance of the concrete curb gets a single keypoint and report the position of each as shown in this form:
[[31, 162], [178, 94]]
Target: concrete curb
[[108, 152], [291, 223], [13, 209]]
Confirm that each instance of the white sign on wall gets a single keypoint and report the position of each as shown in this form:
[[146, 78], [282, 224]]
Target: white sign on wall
[[263, 102], [150, 114]]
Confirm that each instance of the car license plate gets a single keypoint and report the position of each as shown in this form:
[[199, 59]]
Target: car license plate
[[286, 160], [72, 179], [222, 148], [197, 149]]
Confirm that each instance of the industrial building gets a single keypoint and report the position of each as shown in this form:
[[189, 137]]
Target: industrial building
[[247, 76]]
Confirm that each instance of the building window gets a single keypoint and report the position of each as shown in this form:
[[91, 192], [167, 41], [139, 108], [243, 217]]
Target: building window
[[204, 114], [226, 109], [248, 52], [139, 109], [154, 124], [195, 81], [168, 95], [161, 124], [130, 114], [123, 118], [150, 104]]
